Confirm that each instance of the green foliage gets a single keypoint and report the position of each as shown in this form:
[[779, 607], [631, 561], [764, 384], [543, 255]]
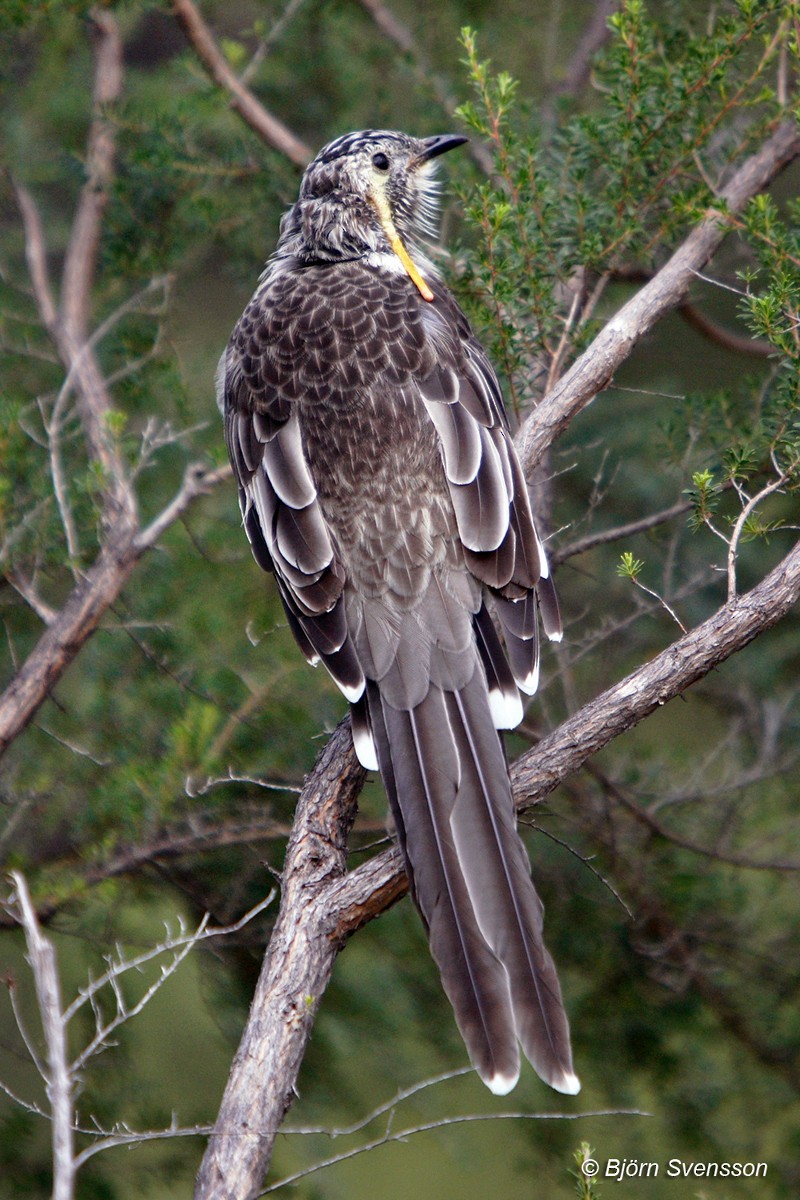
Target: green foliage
[[585, 1187], [612, 187], [629, 567]]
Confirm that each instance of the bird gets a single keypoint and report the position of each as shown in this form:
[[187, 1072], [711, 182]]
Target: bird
[[379, 483]]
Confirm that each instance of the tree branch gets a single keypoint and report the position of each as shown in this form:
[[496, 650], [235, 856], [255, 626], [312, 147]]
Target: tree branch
[[95, 592], [59, 1079], [68, 323], [595, 368], [81, 256], [296, 971], [261, 121], [603, 536], [63, 638]]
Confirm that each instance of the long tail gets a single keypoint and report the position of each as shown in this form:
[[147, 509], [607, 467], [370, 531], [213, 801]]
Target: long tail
[[445, 772]]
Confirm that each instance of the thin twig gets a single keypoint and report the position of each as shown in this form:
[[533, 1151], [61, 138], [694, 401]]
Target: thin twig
[[738, 343], [645, 817], [402, 1135], [81, 254], [605, 536], [749, 507], [198, 480], [265, 45], [36, 257], [179, 946], [578, 70]]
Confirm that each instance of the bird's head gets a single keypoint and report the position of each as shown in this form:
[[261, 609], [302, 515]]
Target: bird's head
[[367, 192]]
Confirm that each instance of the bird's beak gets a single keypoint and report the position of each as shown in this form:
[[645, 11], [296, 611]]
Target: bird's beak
[[434, 146]]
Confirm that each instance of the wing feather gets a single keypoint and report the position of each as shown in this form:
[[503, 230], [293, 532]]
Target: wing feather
[[482, 506]]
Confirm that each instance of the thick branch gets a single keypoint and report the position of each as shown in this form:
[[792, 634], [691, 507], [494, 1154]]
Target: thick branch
[[595, 369], [261, 121], [296, 971]]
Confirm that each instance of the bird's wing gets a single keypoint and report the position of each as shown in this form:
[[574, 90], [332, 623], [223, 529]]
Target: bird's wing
[[489, 493], [280, 508]]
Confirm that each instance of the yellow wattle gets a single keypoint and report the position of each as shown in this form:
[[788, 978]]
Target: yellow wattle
[[382, 205], [414, 274]]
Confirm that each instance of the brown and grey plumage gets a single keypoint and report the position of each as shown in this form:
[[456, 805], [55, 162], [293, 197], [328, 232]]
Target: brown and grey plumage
[[378, 481]]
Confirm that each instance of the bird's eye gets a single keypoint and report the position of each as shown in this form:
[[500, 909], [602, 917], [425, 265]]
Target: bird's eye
[[380, 161]]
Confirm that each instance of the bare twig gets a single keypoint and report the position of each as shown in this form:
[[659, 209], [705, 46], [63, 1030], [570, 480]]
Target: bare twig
[[654, 595], [62, 1075], [81, 256], [36, 257], [205, 833], [59, 1079], [68, 325], [646, 817], [27, 589], [748, 509], [267, 42], [197, 481], [739, 343], [604, 536], [261, 121], [391, 1135]]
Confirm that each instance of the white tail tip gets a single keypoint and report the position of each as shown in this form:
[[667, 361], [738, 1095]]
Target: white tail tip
[[568, 1084], [501, 1085]]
